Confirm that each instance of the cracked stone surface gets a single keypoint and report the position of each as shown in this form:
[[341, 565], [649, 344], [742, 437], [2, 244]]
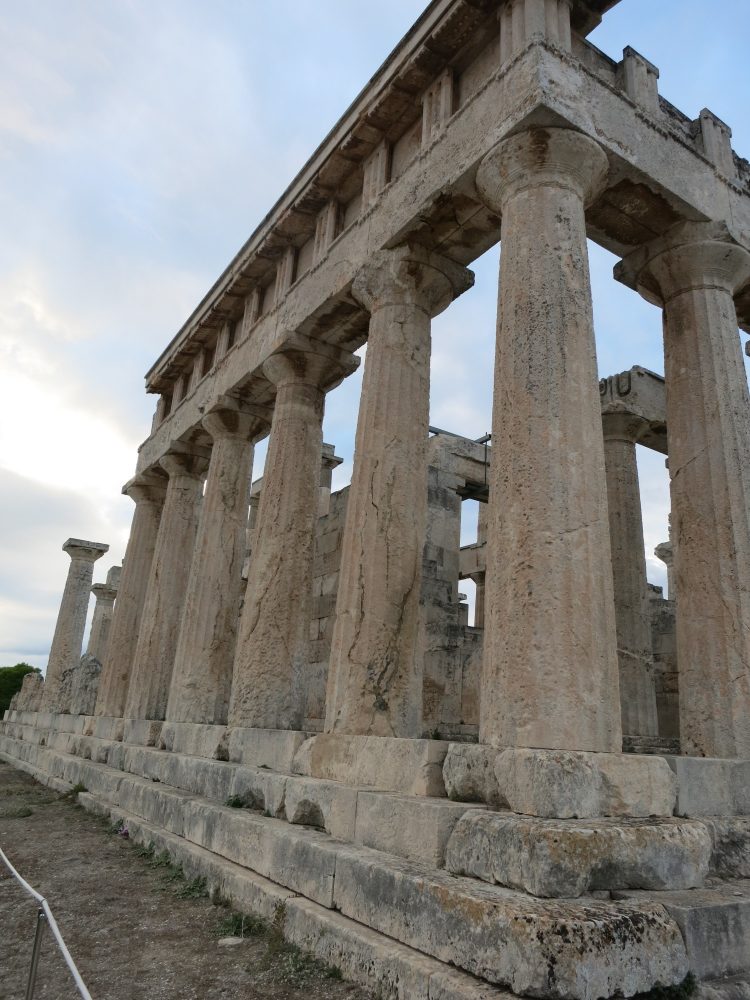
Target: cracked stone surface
[[550, 674], [375, 676]]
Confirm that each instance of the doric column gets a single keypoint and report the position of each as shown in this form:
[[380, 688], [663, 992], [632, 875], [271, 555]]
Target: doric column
[[632, 605], [202, 675], [101, 622], [550, 664], [665, 552], [375, 677], [268, 680], [65, 651], [147, 491], [480, 578], [165, 593], [695, 271]]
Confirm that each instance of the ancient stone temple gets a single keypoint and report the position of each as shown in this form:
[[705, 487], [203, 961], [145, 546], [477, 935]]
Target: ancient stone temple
[[551, 801]]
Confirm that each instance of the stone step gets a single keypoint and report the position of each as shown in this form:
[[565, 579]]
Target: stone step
[[572, 949], [416, 828], [405, 766], [364, 956], [715, 924], [558, 858], [726, 988]]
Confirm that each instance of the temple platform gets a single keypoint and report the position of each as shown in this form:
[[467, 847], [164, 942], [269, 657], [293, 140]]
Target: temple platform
[[406, 890]]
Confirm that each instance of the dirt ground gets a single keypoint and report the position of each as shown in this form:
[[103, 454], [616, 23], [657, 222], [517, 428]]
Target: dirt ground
[[133, 925]]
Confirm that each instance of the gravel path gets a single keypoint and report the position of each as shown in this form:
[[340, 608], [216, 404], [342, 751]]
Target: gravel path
[[135, 928]]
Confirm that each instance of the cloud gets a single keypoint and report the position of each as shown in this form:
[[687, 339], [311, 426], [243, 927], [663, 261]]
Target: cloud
[[140, 144]]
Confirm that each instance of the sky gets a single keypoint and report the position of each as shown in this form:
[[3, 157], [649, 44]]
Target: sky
[[141, 142]]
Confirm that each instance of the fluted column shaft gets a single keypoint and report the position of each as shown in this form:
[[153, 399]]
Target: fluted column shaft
[[375, 674], [632, 609], [67, 641], [480, 579], [148, 494], [101, 622], [708, 428], [550, 666], [202, 675], [165, 594], [269, 666]]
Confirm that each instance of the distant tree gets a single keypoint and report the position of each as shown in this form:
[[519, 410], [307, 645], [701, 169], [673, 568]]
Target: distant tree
[[11, 679]]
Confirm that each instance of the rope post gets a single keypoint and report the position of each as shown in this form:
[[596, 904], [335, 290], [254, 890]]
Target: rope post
[[41, 920]]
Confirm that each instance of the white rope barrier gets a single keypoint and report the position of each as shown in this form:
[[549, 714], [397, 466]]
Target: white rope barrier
[[44, 906]]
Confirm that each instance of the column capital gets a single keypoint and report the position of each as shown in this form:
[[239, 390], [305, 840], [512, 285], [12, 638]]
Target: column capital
[[691, 255], [305, 361], [147, 487], [234, 418], [665, 552], [411, 274], [78, 548], [184, 465], [542, 156], [620, 425], [104, 593]]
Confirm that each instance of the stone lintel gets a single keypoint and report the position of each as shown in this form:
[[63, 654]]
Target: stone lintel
[[638, 393]]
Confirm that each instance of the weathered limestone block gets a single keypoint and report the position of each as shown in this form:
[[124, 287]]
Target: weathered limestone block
[[536, 948], [389, 764], [566, 784], [327, 805], [568, 858], [550, 673], [711, 786], [714, 923], [29, 697], [261, 789], [694, 272], [269, 680], [67, 642], [272, 748], [375, 675], [195, 739], [411, 827], [730, 855], [148, 493], [142, 732], [84, 685], [469, 774]]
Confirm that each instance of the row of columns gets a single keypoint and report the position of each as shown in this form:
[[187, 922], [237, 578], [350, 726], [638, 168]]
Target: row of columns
[[551, 676]]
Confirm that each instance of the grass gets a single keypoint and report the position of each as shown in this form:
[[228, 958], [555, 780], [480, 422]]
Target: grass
[[74, 791], [288, 963], [17, 812], [194, 889], [240, 925]]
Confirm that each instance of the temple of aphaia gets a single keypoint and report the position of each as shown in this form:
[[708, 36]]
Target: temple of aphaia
[[553, 801]]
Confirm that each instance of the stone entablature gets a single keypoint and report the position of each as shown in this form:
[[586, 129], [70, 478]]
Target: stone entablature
[[276, 284]]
